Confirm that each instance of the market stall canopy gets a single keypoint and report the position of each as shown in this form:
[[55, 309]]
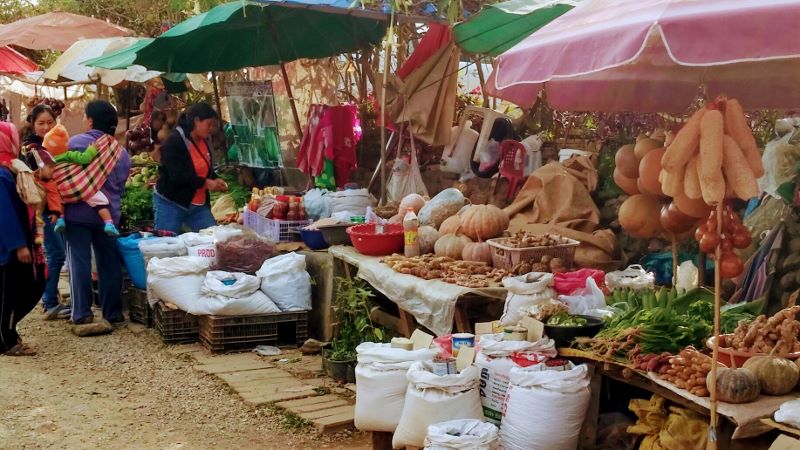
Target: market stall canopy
[[250, 34], [57, 31], [121, 58], [12, 61], [655, 55], [497, 28], [70, 64], [28, 85]]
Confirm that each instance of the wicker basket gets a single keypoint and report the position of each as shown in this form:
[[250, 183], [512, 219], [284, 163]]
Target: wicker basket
[[506, 257], [238, 333]]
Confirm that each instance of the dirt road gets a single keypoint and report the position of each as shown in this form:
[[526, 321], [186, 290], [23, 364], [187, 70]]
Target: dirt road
[[126, 390]]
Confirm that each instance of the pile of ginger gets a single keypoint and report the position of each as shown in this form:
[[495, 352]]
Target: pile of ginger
[[779, 333]]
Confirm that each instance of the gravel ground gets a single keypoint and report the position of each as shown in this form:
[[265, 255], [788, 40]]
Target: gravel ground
[[126, 390]]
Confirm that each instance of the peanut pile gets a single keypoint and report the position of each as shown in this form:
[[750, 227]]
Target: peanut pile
[[469, 274]]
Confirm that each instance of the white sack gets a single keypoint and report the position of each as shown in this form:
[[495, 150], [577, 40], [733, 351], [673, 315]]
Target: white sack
[[176, 280], [524, 292], [494, 361], [285, 281], [431, 399], [381, 384], [161, 247], [545, 408], [467, 434], [240, 298]]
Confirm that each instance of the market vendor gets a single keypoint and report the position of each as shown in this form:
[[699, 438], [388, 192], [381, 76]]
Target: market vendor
[[186, 174]]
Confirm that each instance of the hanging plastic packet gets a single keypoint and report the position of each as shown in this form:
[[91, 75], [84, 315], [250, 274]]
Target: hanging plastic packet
[[371, 217]]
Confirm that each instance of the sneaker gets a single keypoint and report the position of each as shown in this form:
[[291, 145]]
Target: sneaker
[[60, 225], [58, 312], [111, 230]]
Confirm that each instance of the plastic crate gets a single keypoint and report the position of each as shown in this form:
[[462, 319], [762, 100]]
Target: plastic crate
[[276, 230], [505, 257], [237, 333], [175, 326], [139, 309]]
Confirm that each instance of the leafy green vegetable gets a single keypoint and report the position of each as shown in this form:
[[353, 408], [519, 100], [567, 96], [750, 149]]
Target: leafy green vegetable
[[136, 206]]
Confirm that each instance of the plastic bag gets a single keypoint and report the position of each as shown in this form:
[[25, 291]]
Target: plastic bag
[[432, 398], [223, 207], [589, 301], [461, 434], [132, 258], [381, 384], [285, 281], [405, 178], [566, 283], [317, 203], [634, 277], [222, 233], [523, 292], [443, 205], [544, 408], [686, 277], [780, 161], [243, 254], [161, 247]]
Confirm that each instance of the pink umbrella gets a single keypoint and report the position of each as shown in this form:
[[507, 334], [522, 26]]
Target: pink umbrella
[[654, 55], [57, 31], [11, 61]]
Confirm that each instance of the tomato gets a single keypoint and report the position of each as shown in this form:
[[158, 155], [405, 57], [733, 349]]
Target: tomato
[[730, 265]]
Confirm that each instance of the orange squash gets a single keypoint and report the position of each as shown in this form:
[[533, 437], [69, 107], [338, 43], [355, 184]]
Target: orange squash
[[477, 251], [649, 169], [482, 222]]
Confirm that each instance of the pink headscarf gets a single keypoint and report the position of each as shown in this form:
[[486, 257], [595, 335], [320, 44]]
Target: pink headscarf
[[9, 142]]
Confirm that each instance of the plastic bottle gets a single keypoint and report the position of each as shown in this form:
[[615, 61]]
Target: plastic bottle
[[410, 229]]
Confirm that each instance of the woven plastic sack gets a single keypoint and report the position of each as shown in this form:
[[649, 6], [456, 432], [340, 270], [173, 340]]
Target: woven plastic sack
[[286, 282], [524, 292], [464, 434]]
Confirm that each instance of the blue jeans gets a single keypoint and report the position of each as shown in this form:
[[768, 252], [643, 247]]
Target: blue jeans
[[81, 240], [54, 251], [170, 216]]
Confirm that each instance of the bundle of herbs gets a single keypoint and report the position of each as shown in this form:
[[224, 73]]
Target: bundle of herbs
[[352, 308]]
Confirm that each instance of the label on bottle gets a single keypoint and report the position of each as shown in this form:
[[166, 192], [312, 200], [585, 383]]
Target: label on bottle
[[411, 237]]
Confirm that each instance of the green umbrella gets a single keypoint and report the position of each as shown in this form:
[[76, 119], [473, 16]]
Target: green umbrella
[[497, 28], [120, 59], [250, 34]]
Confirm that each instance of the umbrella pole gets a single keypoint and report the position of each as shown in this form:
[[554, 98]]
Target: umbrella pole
[[296, 116], [712, 429], [386, 56], [216, 93], [129, 93], [482, 80]]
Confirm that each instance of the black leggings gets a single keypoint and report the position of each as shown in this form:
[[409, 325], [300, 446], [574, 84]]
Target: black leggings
[[21, 288]]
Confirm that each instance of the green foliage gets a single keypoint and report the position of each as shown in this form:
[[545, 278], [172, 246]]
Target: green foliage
[[137, 205], [240, 193], [292, 421], [352, 307]]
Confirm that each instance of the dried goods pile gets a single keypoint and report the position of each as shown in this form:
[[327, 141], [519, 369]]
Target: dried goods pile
[[524, 239], [469, 274]]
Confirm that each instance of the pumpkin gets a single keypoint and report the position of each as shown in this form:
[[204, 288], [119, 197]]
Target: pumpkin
[[644, 146], [481, 222], [628, 185], [477, 251], [776, 375], [626, 161], [414, 201], [639, 216], [451, 245], [735, 385], [451, 225], [649, 169], [427, 237]]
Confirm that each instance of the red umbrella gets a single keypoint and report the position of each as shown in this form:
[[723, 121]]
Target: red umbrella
[[12, 61], [652, 55], [57, 31]]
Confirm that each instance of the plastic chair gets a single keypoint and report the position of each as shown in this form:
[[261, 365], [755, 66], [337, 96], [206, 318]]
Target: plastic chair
[[512, 165]]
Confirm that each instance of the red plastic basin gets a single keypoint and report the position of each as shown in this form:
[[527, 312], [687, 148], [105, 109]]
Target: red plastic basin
[[367, 242]]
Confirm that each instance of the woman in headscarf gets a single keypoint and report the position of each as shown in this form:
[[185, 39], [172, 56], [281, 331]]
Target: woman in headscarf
[[21, 260]]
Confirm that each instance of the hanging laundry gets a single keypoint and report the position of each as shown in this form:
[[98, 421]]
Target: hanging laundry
[[328, 149], [310, 155]]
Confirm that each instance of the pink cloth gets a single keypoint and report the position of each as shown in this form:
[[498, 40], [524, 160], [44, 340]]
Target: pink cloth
[[310, 155], [651, 55], [332, 132]]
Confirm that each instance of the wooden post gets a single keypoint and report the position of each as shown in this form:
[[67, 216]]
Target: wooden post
[[296, 116], [674, 260], [712, 429], [482, 80], [386, 56]]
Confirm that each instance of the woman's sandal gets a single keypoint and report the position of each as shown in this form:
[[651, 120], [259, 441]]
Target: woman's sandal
[[20, 350]]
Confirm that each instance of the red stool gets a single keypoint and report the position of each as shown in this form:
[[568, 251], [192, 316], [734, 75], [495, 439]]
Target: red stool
[[512, 165]]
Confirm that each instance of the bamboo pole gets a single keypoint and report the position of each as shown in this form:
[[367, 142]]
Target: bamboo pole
[[386, 56], [712, 428], [482, 80], [295, 116], [674, 260]]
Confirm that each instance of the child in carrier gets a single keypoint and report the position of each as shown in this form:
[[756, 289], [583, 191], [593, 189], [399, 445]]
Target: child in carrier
[[55, 142]]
